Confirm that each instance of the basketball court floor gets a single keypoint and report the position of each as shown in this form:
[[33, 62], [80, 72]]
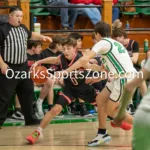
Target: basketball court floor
[[66, 136]]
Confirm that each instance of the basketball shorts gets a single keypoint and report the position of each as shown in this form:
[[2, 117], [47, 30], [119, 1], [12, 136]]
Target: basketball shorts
[[115, 88], [141, 125], [88, 94]]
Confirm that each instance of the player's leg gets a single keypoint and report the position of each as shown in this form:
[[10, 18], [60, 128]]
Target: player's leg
[[112, 110], [102, 136], [43, 93], [64, 99], [113, 104], [101, 99], [50, 96], [45, 121]]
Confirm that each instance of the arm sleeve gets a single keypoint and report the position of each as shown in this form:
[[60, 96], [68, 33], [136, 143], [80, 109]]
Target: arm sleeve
[[135, 47], [147, 65], [102, 47], [28, 32]]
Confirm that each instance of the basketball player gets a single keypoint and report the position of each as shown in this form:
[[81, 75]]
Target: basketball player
[[116, 59], [141, 125], [74, 86]]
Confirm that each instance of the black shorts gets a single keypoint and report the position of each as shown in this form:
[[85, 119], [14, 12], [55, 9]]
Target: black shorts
[[88, 94], [100, 85]]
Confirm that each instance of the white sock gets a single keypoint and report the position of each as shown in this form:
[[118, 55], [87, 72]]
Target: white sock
[[39, 129], [39, 101]]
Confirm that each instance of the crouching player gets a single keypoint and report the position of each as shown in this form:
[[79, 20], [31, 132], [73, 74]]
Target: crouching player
[[74, 85]]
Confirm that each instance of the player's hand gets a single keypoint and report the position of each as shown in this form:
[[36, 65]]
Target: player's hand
[[4, 68], [91, 80], [118, 119], [46, 38], [34, 65]]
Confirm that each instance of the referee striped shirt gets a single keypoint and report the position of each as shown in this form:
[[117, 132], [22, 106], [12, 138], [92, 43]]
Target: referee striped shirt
[[13, 45]]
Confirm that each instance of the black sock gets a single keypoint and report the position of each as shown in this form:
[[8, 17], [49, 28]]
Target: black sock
[[50, 107], [101, 131]]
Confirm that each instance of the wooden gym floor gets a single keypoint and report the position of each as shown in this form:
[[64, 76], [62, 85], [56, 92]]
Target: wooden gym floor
[[70, 136]]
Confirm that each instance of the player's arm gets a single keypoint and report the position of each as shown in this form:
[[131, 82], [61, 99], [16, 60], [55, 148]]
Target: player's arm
[[49, 60], [37, 36], [135, 57], [135, 54], [130, 88]]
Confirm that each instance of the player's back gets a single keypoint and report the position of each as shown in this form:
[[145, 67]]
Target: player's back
[[117, 59]]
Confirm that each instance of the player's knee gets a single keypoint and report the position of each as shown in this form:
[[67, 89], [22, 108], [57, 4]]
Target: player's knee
[[101, 103], [49, 83]]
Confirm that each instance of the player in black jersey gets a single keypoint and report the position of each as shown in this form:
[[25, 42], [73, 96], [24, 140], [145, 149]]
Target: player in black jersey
[[74, 85]]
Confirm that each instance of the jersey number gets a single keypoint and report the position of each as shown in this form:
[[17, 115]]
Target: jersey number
[[74, 81], [120, 48]]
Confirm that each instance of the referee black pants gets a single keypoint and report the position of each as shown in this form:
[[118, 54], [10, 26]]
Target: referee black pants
[[19, 84]]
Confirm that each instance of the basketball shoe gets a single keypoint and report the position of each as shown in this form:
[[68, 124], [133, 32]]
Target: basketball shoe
[[18, 115], [124, 125], [84, 112], [33, 137], [99, 140]]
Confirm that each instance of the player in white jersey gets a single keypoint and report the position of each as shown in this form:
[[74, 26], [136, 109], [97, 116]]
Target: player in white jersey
[[141, 125], [116, 59]]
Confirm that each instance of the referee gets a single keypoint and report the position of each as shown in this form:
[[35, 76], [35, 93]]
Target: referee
[[13, 55]]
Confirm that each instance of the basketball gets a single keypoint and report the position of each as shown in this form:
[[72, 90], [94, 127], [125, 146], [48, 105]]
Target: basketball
[[39, 74]]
